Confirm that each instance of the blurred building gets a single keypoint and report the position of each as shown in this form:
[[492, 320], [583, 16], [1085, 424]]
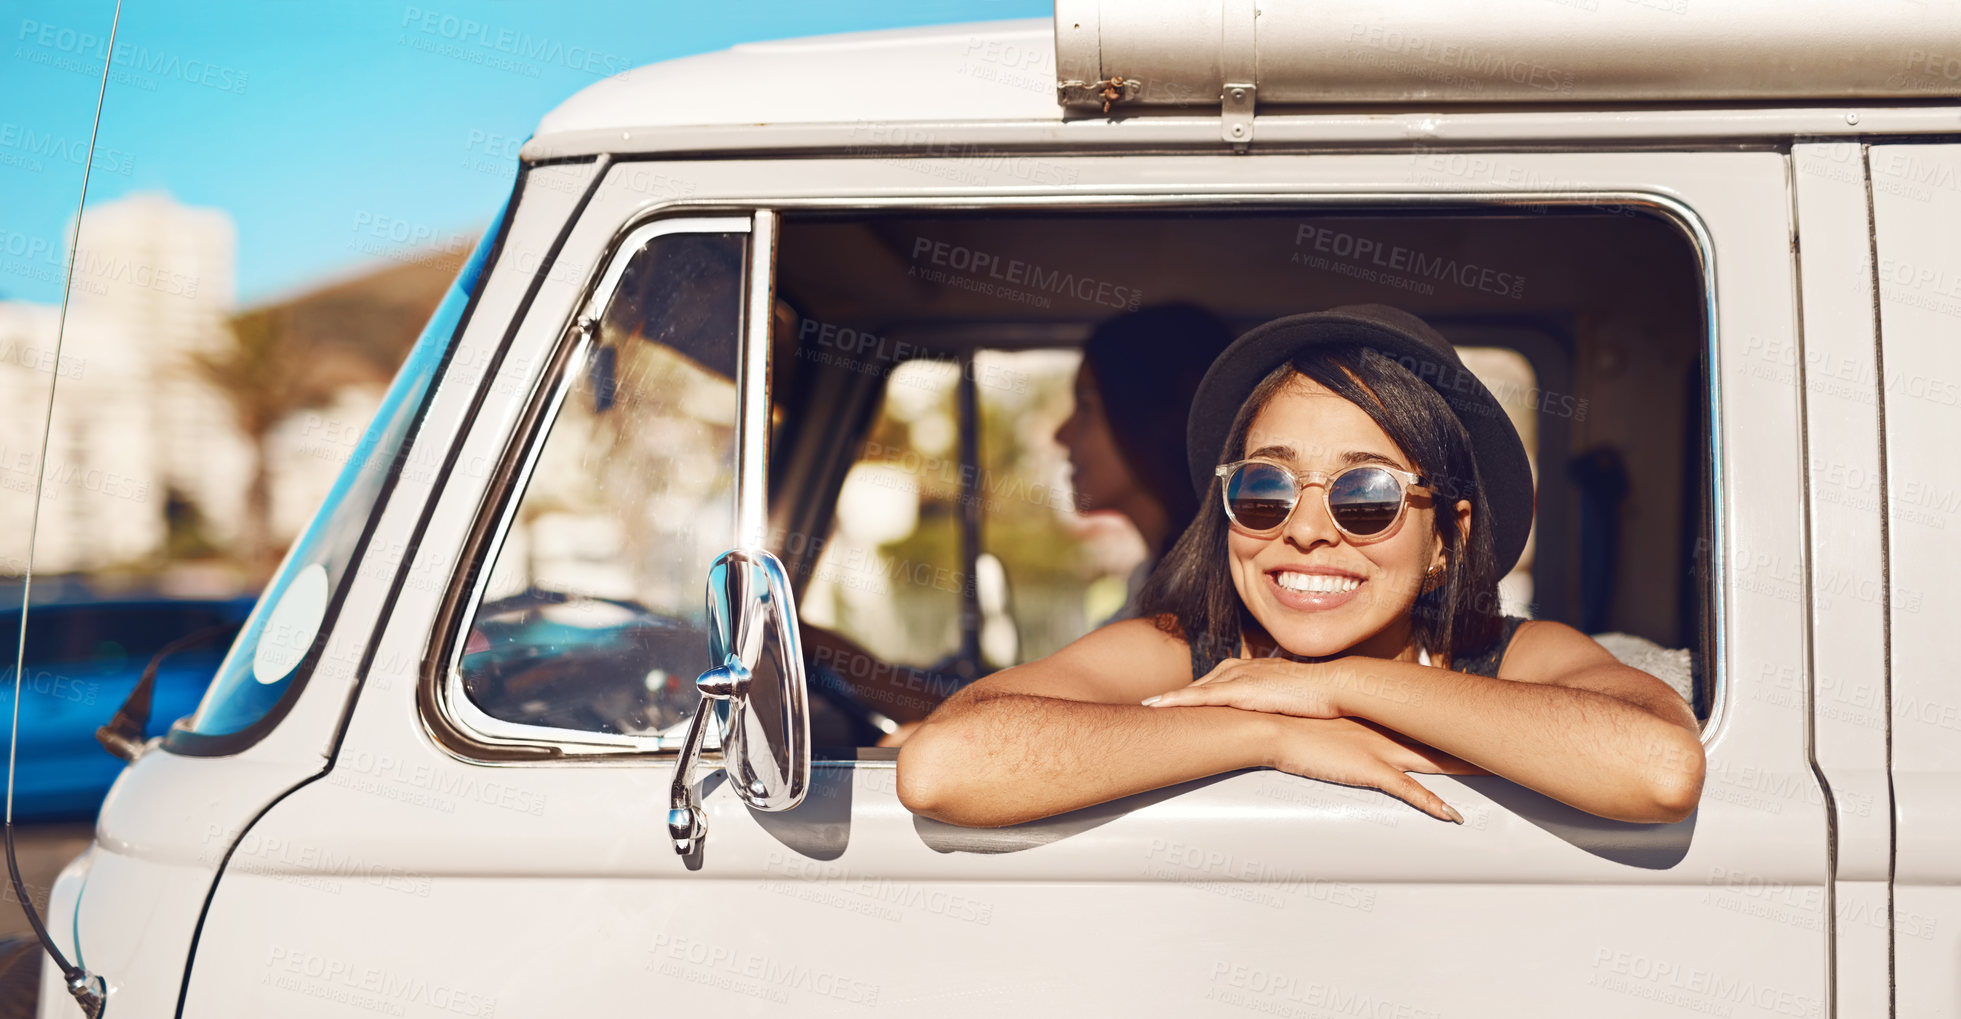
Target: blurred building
[[148, 462], [163, 274], [87, 451], [153, 282]]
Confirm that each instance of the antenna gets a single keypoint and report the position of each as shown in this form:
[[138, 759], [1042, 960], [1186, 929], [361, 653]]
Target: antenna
[[91, 992]]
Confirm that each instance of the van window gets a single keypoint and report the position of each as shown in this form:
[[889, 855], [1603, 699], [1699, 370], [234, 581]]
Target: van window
[[591, 617], [1586, 324], [892, 575], [283, 638], [919, 497]]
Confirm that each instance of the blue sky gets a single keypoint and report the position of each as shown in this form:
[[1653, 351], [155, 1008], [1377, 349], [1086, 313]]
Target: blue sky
[[308, 120]]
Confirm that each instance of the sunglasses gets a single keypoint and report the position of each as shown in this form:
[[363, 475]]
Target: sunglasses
[[1364, 500]]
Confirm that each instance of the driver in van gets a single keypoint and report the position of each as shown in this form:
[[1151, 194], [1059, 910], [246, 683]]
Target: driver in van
[[1332, 613], [1125, 436]]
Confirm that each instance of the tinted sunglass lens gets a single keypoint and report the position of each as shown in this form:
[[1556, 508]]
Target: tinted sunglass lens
[[1365, 500], [1260, 496]]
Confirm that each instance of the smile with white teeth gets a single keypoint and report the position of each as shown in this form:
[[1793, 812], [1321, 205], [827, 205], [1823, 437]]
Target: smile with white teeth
[[1316, 583]]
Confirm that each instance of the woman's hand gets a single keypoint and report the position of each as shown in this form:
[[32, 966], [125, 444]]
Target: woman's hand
[[1277, 686], [1358, 753], [1280, 686]]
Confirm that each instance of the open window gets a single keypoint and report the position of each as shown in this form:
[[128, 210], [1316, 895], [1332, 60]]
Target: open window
[[925, 508], [589, 624], [921, 366]]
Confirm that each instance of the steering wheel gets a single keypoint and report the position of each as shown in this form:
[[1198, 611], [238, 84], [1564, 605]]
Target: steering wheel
[[521, 665]]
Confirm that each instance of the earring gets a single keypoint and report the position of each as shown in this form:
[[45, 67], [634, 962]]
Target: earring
[[1433, 578]]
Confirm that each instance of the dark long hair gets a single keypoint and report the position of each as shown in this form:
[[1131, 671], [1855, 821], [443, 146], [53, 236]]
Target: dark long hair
[[1146, 365], [1190, 594]]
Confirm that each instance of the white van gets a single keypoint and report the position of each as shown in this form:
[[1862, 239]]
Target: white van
[[818, 302]]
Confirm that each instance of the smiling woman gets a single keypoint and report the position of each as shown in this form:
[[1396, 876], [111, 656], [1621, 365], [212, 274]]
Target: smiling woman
[[1334, 393], [1353, 635]]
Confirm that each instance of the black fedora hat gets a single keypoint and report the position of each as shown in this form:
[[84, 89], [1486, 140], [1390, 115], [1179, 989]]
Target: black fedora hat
[[1503, 471]]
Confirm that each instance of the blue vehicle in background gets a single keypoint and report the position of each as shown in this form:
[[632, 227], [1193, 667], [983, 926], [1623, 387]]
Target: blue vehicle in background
[[82, 661]]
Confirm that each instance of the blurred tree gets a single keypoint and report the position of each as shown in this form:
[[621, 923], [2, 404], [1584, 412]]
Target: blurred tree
[[266, 372], [186, 535], [300, 354]]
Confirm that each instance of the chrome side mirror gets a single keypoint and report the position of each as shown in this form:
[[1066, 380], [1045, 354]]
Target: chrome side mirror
[[752, 633]]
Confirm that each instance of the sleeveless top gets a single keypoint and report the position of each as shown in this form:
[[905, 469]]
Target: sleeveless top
[[1478, 665]]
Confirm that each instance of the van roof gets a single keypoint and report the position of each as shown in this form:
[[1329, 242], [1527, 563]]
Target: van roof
[[994, 70], [1904, 60]]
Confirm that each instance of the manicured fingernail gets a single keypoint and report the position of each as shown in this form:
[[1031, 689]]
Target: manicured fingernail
[[1454, 815], [1148, 701]]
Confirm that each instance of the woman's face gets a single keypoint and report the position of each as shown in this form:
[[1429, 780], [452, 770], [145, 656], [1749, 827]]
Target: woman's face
[[1309, 428], [1101, 479]]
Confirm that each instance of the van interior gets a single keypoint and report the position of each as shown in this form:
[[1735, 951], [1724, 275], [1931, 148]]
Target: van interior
[[924, 361]]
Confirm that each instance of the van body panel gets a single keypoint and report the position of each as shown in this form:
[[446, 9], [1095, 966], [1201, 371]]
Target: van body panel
[[137, 922], [1836, 367], [160, 841], [1916, 199], [1835, 364], [826, 939], [172, 822], [63, 896], [446, 867]]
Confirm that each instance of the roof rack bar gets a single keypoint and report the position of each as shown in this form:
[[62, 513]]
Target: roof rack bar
[[1503, 51]]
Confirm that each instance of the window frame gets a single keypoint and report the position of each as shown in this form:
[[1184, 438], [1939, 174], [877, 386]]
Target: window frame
[[505, 742], [524, 449]]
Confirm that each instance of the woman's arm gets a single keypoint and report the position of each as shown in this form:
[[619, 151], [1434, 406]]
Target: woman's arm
[[1065, 732], [1068, 732], [1563, 717]]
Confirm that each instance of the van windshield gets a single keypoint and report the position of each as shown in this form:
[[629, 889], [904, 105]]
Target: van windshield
[[284, 638]]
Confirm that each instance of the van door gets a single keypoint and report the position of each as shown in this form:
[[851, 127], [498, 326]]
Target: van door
[[491, 838], [1916, 210]]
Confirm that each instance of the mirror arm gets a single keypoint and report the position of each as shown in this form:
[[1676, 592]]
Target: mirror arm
[[685, 822]]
